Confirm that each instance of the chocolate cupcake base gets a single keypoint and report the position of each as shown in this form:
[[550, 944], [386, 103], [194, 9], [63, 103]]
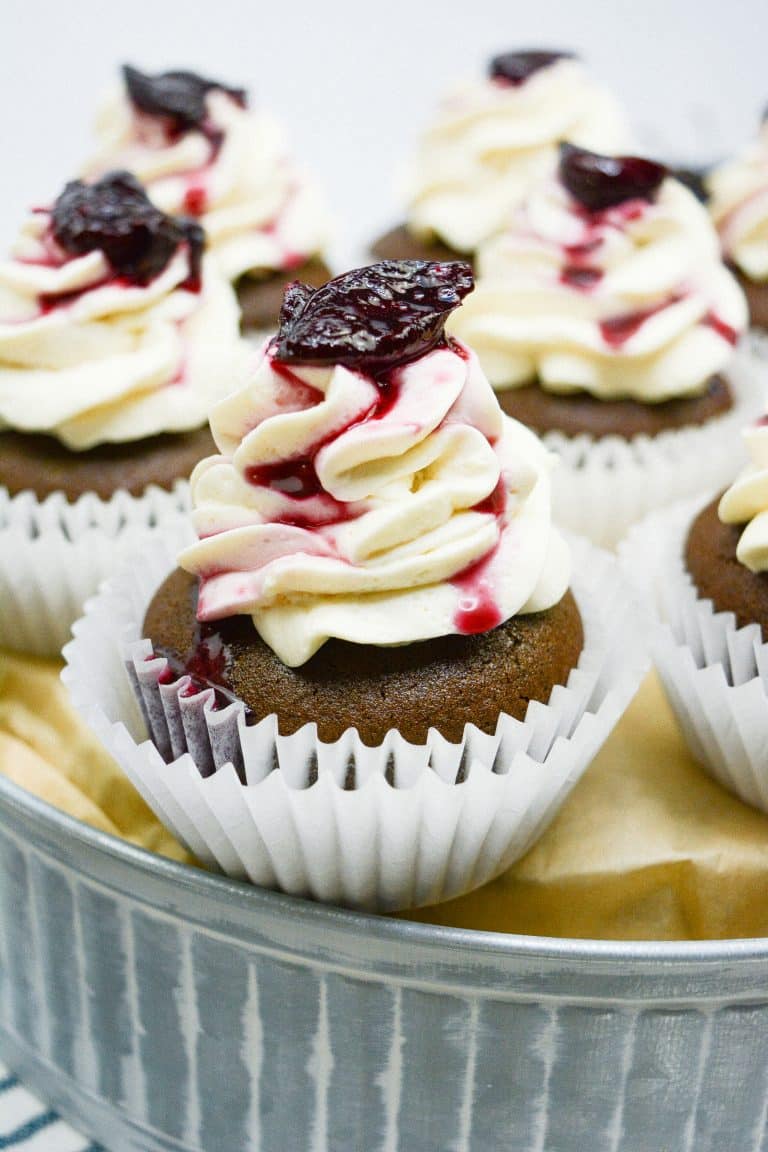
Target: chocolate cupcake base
[[443, 683], [710, 556], [580, 413], [391, 826], [714, 668], [43, 465], [757, 298], [402, 244], [261, 297]]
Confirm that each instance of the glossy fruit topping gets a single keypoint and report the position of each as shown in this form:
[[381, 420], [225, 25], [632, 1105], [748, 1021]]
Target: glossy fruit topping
[[115, 216], [178, 96], [372, 318], [600, 182], [515, 67]]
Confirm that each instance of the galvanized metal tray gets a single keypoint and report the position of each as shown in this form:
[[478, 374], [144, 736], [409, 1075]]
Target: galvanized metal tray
[[160, 1007]]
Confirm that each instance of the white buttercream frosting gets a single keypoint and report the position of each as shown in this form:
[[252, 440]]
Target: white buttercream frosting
[[259, 211], [631, 301], [746, 501], [338, 509], [90, 358], [739, 206], [492, 142]]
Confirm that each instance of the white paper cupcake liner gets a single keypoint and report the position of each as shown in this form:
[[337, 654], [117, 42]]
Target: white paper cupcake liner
[[382, 828], [602, 487], [715, 674], [54, 554], [757, 343]]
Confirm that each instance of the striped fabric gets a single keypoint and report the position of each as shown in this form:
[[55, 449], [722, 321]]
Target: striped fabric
[[26, 1125]]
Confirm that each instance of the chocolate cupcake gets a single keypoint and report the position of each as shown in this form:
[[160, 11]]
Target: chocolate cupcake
[[705, 571], [494, 140], [116, 337], [201, 152], [607, 322], [738, 202], [373, 628]]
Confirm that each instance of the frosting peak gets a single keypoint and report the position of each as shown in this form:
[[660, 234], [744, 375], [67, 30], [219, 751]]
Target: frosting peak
[[497, 138], [626, 300], [201, 152], [380, 509], [746, 501], [110, 327], [739, 207]]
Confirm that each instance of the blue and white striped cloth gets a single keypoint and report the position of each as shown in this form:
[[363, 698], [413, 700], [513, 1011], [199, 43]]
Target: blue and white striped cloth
[[26, 1125]]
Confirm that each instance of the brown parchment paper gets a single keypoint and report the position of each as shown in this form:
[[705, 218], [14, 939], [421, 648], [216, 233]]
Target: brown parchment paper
[[647, 847]]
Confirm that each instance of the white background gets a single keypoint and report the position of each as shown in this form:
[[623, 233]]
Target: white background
[[354, 81]]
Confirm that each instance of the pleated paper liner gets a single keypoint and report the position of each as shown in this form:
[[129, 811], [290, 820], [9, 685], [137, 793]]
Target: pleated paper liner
[[54, 554], [602, 487], [714, 673], [387, 827]]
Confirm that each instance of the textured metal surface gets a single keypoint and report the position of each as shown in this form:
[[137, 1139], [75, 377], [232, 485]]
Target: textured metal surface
[[161, 1008]]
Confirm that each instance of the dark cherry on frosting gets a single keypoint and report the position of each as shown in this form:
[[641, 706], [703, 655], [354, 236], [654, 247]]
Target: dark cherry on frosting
[[375, 318], [600, 182], [115, 216], [514, 68], [179, 97]]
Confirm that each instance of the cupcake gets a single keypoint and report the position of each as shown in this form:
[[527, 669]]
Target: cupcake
[[369, 679], [705, 574], [607, 322], [493, 141], [738, 193], [117, 335], [201, 152]]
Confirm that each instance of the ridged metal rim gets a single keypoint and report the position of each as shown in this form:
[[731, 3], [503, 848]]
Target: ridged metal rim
[[105, 859]]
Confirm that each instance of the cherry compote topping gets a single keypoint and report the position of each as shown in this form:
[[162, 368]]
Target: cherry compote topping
[[600, 182], [375, 318], [514, 68], [179, 97], [115, 216]]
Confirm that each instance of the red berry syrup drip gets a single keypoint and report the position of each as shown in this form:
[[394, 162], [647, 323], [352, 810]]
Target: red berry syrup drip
[[196, 199], [298, 479], [52, 301], [582, 278], [496, 503], [728, 333], [578, 272], [206, 663], [478, 610], [616, 330]]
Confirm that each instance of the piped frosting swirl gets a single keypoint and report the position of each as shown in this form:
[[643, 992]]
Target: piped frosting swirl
[[739, 207], [494, 140], [631, 300], [230, 170], [746, 501], [376, 508], [91, 355]]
